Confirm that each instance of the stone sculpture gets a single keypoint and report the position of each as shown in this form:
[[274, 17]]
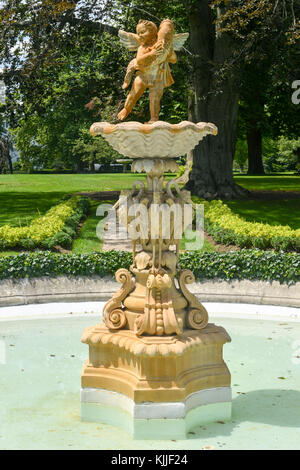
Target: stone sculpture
[[156, 49], [163, 309], [155, 356]]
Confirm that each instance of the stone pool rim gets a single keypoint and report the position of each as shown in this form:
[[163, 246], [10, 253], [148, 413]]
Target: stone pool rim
[[216, 310], [96, 288]]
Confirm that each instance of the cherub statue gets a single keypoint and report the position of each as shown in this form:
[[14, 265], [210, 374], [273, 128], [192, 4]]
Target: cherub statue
[[156, 49]]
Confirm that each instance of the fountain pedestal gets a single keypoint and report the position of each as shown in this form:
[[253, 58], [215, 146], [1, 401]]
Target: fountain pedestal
[[155, 365], [155, 387]]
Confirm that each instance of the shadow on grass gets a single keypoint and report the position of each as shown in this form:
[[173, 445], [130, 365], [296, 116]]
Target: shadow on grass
[[270, 407], [283, 212], [19, 208]]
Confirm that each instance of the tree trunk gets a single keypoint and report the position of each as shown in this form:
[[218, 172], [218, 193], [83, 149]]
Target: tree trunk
[[92, 166], [5, 158], [254, 141], [212, 175]]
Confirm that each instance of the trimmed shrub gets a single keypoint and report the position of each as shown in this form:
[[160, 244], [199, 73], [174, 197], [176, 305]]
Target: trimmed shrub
[[229, 228], [243, 264], [56, 227]]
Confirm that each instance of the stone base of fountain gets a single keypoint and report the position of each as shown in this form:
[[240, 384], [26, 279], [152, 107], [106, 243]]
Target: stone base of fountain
[[155, 387], [155, 366]]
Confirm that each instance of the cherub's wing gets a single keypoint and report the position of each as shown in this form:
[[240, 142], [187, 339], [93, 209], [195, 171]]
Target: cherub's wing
[[179, 40], [129, 40]]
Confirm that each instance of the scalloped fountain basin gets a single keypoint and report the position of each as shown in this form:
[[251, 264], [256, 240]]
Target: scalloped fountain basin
[[157, 140], [41, 357]]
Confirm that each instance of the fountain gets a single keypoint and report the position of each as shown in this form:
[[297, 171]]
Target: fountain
[[155, 365]]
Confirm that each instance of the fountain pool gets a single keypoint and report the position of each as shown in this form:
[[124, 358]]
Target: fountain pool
[[41, 359]]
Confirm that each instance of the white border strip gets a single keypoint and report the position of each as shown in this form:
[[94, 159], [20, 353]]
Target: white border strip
[[253, 311], [94, 309], [165, 410]]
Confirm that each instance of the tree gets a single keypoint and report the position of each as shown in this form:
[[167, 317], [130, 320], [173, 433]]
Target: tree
[[91, 150], [289, 153], [240, 155], [252, 112], [68, 74], [5, 157], [227, 42], [214, 99], [5, 160], [269, 69], [37, 40], [47, 109]]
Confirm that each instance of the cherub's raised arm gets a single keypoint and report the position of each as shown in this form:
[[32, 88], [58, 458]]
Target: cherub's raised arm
[[145, 59]]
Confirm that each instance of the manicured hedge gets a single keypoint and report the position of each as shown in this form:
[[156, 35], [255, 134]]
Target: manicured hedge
[[228, 228], [56, 227], [243, 264]]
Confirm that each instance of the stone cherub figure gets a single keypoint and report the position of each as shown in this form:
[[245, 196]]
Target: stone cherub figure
[[155, 50]]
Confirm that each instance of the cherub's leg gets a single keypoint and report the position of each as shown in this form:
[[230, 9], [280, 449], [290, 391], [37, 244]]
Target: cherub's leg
[[155, 95], [135, 93]]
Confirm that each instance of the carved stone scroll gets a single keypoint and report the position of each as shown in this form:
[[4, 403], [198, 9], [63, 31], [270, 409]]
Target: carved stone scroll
[[113, 314], [197, 317]]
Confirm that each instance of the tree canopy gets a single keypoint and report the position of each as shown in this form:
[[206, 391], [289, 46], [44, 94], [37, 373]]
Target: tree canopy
[[63, 65]]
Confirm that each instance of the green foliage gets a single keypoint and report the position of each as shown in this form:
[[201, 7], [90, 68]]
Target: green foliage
[[267, 33], [71, 74], [289, 152], [229, 228], [282, 154], [63, 67], [243, 264], [240, 18], [56, 227], [241, 153], [90, 149], [270, 155], [73, 92]]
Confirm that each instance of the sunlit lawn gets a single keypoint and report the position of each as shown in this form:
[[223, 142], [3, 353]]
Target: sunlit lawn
[[23, 197], [270, 183], [87, 240]]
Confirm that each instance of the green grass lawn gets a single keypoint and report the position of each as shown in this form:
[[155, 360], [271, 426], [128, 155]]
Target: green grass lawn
[[23, 197], [87, 240], [186, 244], [18, 208], [278, 212], [66, 183], [269, 183]]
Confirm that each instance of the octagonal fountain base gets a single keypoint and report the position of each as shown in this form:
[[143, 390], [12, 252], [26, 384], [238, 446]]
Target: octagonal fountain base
[[155, 387], [166, 420]]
